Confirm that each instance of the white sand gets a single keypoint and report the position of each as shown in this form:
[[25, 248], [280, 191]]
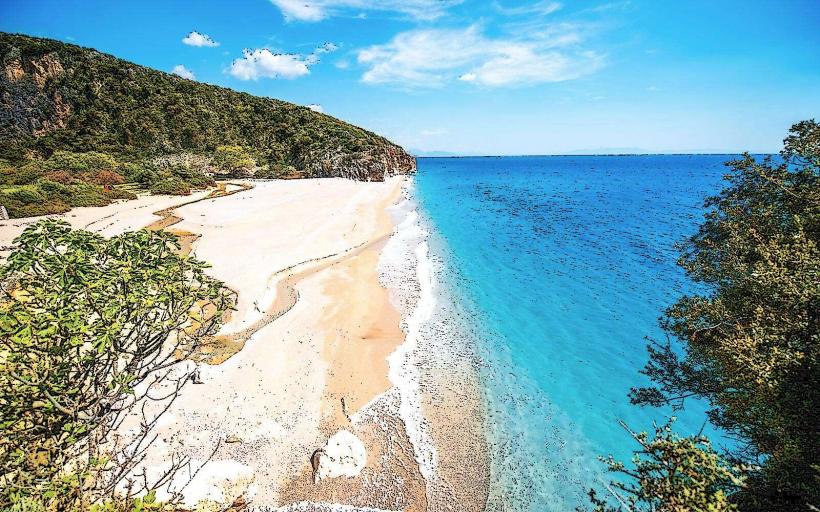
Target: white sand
[[249, 236], [282, 394]]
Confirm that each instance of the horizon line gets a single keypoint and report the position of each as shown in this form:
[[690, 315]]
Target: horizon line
[[525, 155]]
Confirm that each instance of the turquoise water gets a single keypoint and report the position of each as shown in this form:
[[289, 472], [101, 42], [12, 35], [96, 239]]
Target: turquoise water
[[566, 263]]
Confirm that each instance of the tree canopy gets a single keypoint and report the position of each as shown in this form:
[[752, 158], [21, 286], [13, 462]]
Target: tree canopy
[[88, 326], [749, 344]]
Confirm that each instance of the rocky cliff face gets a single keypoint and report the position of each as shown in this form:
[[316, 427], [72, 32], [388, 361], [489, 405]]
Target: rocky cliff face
[[60, 96], [27, 106], [381, 163]]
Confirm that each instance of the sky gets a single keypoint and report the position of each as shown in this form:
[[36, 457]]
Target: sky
[[486, 78]]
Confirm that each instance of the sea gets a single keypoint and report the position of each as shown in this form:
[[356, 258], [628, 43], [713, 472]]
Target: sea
[[561, 267]]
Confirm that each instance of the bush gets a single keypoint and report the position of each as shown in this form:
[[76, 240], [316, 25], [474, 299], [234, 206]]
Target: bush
[[28, 195], [171, 186], [60, 177], [80, 349], [116, 193], [137, 173], [200, 181], [88, 195], [25, 175], [17, 209], [90, 161], [54, 188], [106, 178]]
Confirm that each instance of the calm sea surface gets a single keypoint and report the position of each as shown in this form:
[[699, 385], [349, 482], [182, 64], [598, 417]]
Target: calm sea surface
[[566, 264]]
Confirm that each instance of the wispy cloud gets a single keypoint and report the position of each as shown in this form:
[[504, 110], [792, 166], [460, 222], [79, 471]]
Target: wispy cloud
[[195, 38], [317, 10], [263, 63], [184, 72], [543, 8], [316, 108], [434, 57]]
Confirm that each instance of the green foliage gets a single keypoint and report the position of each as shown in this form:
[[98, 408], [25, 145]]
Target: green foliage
[[27, 195], [86, 325], [101, 103], [234, 160], [89, 162], [69, 179], [670, 474], [22, 175], [751, 343], [172, 186]]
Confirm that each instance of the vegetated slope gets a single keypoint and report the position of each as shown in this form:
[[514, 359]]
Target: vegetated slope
[[58, 96]]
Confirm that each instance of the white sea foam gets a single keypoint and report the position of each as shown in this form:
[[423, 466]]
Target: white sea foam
[[404, 268]]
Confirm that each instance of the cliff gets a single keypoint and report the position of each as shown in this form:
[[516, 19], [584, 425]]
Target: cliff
[[58, 96]]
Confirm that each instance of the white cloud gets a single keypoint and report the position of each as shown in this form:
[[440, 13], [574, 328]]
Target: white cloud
[[543, 7], [316, 10], [266, 64], [263, 63], [421, 57], [433, 57], [194, 38], [316, 108], [184, 72]]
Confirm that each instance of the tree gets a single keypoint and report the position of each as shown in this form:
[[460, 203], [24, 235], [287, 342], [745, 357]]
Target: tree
[[90, 328], [232, 160], [751, 341], [670, 474], [108, 179]]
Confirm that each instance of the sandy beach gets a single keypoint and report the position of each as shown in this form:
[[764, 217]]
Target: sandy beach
[[310, 351]]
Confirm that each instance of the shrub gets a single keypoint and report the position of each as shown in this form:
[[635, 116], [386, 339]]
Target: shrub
[[116, 193], [107, 178], [171, 186], [60, 177], [90, 161], [24, 175], [17, 209], [86, 325], [88, 195], [200, 181], [136, 173], [672, 474], [54, 188], [28, 195]]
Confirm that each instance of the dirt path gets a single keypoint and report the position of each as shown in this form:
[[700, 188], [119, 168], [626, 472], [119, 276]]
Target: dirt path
[[168, 219]]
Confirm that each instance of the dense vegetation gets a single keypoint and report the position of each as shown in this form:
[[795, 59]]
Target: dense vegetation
[[751, 344], [88, 327], [56, 96], [65, 180]]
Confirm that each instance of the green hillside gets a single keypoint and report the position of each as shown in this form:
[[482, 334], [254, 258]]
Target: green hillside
[[82, 128]]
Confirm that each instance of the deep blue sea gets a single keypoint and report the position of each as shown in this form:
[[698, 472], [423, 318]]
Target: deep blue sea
[[567, 263]]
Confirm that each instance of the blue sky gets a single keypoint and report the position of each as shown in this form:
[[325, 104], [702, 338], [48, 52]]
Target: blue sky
[[497, 77]]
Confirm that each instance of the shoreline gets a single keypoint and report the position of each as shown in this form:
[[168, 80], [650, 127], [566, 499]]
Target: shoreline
[[330, 333]]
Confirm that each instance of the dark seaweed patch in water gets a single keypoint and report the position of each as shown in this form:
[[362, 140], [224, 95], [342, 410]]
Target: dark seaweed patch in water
[[567, 262]]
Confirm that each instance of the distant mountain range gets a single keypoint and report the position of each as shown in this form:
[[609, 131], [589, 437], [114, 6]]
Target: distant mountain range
[[591, 152]]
